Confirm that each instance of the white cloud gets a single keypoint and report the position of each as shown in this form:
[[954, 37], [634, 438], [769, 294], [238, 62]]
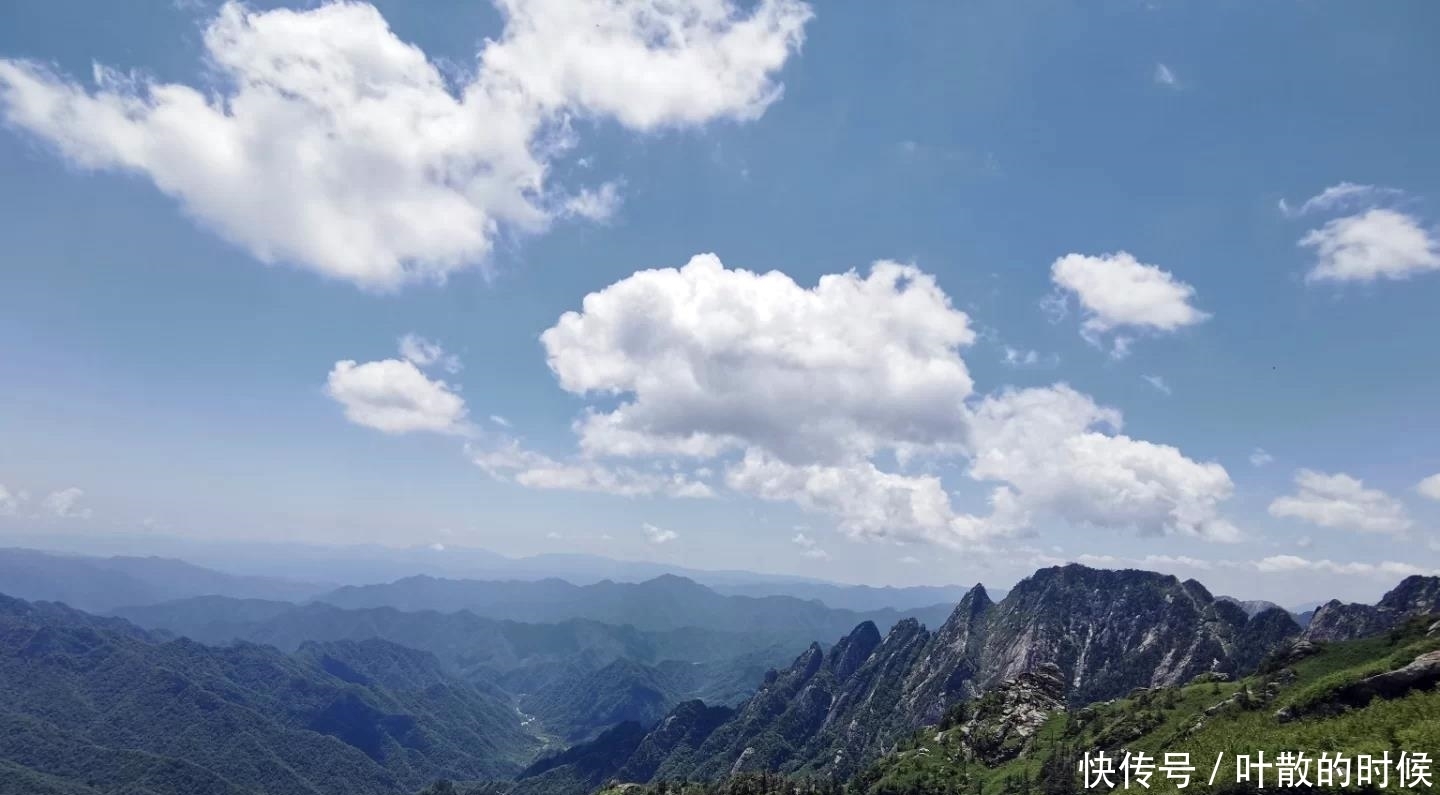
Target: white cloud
[[713, 359], [1165, 76], [1376, 244], [1117, 291], [499, 420], [509, 461], [595, 205], [1157, 382], [809, 548], [424, 353], [1341, 501], [1274, 564], [657, 535], [1259, 458], [1384, 570], [1044, 446], [1429, 487], [65, 504], [331, 144], [10, 502], [866, 501], [393, 396], [1338, 197], [1151, 562], [1020, 358], [805, 394]]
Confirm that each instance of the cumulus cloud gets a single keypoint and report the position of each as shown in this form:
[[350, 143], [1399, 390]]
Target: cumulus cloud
[[658, 535], [1343, 502], [423, 353], [65, 504], [1048, 448], [1379, 243], [712, 359], [826, 396], [331, 144], [1429, 487], [808, 547], [1259, 458], [866, 501], [393, 396], [1117, 293]]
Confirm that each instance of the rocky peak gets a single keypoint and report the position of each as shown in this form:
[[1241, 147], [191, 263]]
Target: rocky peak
[[1110, 631], [1414, 596], [945, 674], [1064, 634], [851, 652]]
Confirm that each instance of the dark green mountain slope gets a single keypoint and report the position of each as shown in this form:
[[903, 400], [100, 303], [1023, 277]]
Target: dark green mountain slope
[[576, 677], [94, 702]]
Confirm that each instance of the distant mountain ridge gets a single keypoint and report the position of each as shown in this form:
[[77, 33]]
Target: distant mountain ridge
[[130, 580], [666, 602], [577, 676], [103, 584]]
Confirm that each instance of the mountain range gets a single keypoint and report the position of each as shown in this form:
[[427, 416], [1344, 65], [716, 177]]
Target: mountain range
[[575, 677], [225, 695], [92, 705], [832, 712], [316, 569]]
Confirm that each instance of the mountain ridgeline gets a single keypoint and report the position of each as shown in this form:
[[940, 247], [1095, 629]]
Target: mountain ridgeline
[[222, 696], [1334, 620], [1101, 634], [666, 602]]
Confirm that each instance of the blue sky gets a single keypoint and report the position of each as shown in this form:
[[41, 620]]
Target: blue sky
[[185, 272]]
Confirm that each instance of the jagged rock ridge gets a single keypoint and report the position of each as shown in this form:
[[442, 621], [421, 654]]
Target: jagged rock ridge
[[1097, 633], [1415, 596]]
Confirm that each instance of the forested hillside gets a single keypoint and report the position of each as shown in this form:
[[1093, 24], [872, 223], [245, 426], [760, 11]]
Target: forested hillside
[[99, 703]]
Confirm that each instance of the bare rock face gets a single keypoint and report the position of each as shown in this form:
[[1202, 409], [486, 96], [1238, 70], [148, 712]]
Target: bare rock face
[[1064, 635], [1414, 596], [1112, 631], [946, 674], [1005, 719]]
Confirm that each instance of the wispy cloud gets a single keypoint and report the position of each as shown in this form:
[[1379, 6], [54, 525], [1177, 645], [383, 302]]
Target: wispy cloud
[[1157, 382], [1165, 76]]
